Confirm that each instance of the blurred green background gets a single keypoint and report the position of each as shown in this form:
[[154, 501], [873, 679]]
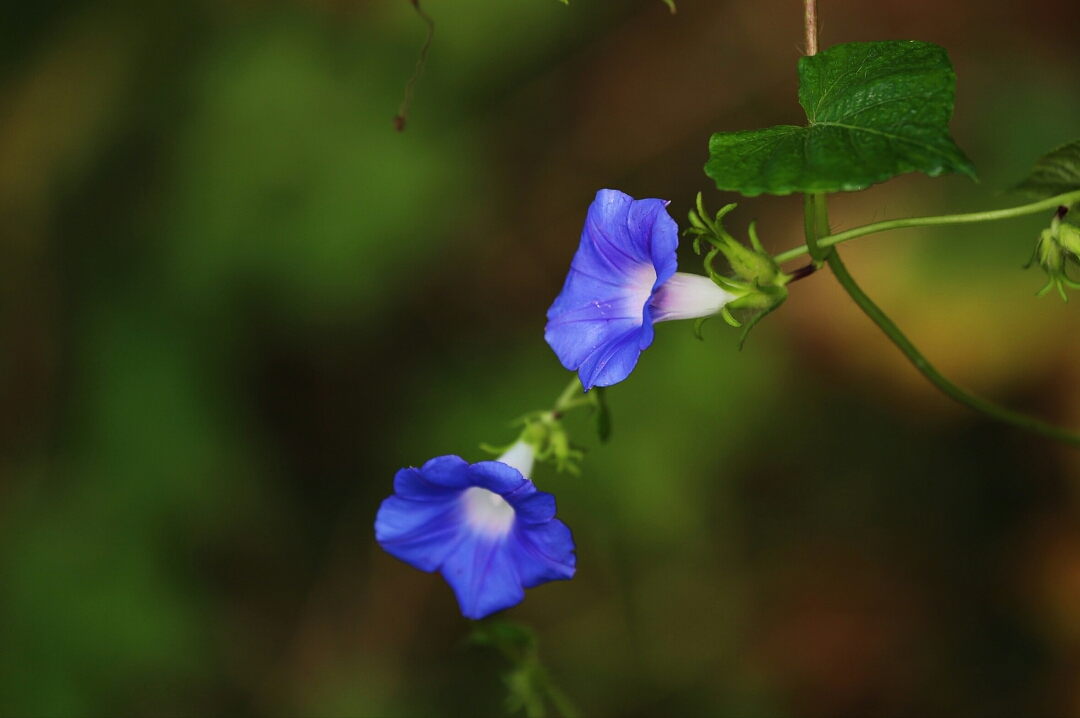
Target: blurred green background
[[233, 302]]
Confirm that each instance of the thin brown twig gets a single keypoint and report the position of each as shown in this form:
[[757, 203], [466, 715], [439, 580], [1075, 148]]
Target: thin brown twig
[[811, 27], [403, 114], [803, 272]]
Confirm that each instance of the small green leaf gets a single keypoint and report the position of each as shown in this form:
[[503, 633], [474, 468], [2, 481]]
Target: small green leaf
[[875, 110], [1055, 173]]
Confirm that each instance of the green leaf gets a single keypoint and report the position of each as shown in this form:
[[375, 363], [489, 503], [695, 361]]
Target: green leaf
[[1055, 173], [876, 110]]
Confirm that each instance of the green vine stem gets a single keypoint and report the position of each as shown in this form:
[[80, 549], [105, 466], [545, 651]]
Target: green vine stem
[[812, 247], [840, 237], [821, 221], [572, 397], [810, 201]]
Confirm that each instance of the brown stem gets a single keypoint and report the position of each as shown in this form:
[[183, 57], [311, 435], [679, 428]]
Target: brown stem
[[811, 27], [403, 114], [803, 272]]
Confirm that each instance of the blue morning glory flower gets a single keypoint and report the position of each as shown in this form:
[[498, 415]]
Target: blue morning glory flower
[[622, 280], [485, 527]]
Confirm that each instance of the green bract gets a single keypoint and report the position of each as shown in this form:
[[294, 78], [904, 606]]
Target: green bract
[[1055, 173], [876, 110]]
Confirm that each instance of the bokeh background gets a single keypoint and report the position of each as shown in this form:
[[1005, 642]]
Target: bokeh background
[[233, 301]]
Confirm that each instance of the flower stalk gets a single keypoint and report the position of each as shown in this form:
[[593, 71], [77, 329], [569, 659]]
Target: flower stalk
[[920, 362], [824, 242]]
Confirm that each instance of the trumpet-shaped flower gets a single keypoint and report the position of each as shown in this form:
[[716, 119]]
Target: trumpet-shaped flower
[[485, 527], [622, 280]]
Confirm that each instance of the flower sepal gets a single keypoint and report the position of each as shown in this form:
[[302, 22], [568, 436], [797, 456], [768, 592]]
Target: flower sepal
[[760, 302], [753, 265], [759, 286], [550, 442]]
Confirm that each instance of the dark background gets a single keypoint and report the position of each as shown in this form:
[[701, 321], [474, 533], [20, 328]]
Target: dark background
[[233, 302]]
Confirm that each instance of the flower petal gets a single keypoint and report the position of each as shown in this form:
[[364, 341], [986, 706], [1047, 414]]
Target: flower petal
[[496, 476], [576, 341], [609, 242], [543, 552], [627, 250], [663, 236], [485, 527], [532, 505], [483, 575], [614, 360], [439, 478], [420, 533]]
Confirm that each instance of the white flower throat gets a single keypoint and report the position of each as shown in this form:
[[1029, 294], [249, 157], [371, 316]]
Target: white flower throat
[[486, 511], [688, 296]]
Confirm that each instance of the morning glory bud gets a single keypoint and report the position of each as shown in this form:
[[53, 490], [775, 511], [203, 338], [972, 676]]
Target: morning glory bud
[[1057, 247], [617, 289], [485, 527]]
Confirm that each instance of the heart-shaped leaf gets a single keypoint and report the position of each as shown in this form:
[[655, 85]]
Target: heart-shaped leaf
[[876, 110], [1055, 173]]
